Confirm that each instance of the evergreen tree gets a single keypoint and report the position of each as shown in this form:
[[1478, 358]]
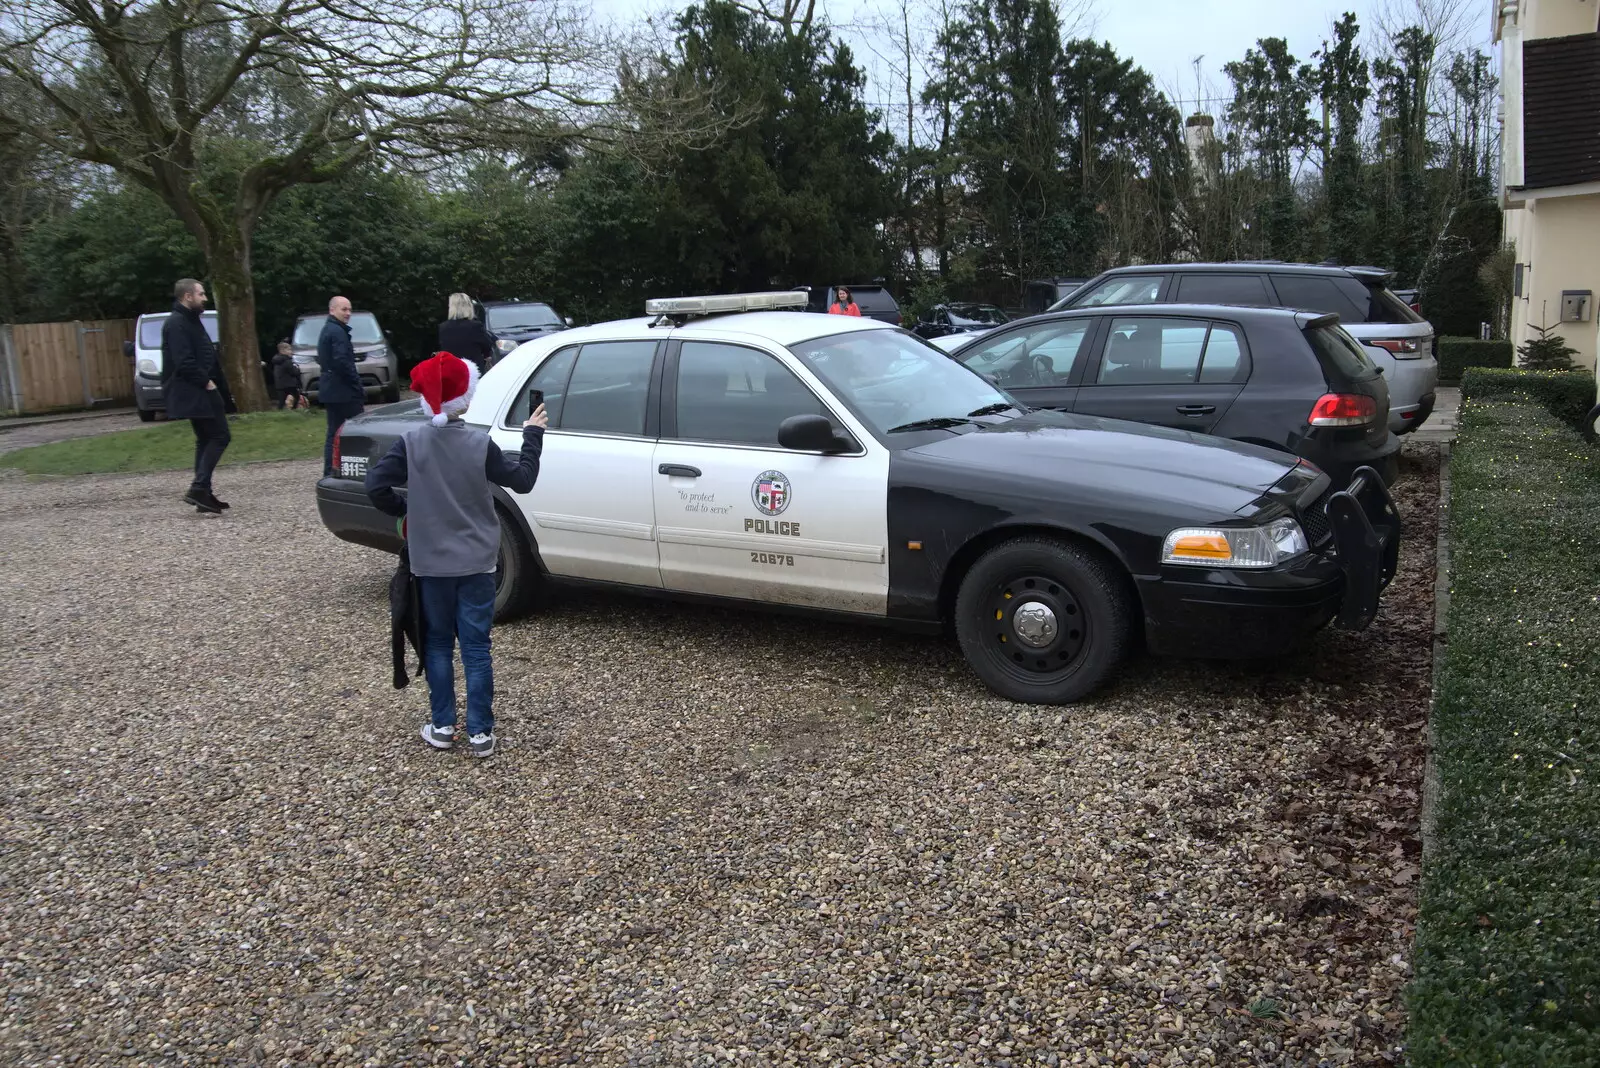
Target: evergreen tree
[[1344, 83], [1547, 352]]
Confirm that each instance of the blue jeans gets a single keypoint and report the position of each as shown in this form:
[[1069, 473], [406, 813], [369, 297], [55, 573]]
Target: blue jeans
[[452, 609]]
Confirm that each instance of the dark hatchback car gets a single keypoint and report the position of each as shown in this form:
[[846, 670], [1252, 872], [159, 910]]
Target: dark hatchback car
[[1404, 346], [960, 317], [1293, 381]]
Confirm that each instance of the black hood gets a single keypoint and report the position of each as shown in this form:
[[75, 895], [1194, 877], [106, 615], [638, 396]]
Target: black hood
[[522, 333], [1057, 457]]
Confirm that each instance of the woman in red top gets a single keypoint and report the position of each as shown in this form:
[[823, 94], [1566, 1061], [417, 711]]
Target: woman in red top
[[844, 305]]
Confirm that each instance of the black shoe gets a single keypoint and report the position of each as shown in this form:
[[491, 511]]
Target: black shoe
[[213, 498], [203, 502]]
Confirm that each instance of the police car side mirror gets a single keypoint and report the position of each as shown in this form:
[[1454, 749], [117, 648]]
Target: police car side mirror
[[812, 433]]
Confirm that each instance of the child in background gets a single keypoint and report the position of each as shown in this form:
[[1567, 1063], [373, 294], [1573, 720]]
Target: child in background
[[453, 536], [286, 377]]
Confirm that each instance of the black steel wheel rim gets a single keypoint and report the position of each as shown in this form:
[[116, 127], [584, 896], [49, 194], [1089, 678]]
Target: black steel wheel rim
[[502, 565], [1056, 658]]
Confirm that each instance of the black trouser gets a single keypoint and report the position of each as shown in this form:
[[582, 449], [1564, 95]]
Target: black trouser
[[211, 437], [338, 412]]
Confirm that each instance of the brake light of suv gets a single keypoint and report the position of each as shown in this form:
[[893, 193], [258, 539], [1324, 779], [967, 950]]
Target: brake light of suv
[[1404, 348], [1343, 409], [337, 451]]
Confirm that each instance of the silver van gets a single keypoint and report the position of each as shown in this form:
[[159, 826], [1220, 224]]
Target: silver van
[[145, 353]]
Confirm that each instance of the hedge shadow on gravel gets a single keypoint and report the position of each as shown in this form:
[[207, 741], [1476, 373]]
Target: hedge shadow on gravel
[[1508, 943]]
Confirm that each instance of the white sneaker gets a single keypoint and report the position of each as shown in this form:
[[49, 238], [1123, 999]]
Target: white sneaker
[[438, 737], [482, 745]]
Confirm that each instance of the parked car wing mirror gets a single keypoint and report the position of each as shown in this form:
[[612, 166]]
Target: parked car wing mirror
[[127, 349], [813, 433], [567, 320]]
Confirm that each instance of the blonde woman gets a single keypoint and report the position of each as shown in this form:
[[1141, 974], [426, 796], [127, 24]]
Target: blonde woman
[[464, 336]]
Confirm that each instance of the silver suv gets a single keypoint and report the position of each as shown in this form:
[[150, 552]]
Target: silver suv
[[375, 358], [1400, 341]]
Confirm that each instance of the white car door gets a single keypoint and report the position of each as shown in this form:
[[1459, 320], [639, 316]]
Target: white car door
[[592, 510], [737, 515]]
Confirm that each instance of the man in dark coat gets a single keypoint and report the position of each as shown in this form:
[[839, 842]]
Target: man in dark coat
[[339, 389], [195, 388]]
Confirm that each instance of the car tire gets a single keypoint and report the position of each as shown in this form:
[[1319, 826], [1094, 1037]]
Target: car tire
[[147, 415], [1084, 629], [391, 393], [1591, 425], [516, 578]]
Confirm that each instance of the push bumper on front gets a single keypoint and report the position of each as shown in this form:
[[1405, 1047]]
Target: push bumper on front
[[1250, 614], [1366, 535]]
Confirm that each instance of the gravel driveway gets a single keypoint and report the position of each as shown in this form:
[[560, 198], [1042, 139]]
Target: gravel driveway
[[708, 836]]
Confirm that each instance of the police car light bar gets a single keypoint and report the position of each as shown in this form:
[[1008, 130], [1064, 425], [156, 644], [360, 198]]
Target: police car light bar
[[729, 302]]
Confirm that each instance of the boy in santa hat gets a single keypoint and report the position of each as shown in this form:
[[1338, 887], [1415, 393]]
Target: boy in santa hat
[[453, 535]]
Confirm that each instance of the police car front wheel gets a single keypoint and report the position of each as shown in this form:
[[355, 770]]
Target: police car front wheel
[[1043, 621]]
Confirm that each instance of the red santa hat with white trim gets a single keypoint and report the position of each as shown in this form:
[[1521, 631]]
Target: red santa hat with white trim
[[446, 383]]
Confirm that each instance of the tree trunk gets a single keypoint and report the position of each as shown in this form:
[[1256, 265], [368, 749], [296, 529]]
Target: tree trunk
[[235, 296]]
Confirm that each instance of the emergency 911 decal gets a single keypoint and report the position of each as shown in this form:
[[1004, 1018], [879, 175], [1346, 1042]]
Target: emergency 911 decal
[[770, 492]]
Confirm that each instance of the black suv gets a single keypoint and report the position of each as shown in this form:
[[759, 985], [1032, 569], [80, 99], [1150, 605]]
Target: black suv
[[875, 301], [1294, 381], [511, 322]]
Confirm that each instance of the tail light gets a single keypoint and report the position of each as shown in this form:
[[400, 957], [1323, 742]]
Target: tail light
[[1343, 409], [337, 434], [1400, 346]]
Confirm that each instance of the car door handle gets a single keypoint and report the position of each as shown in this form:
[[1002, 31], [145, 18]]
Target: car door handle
[[1196, 409], [679, 470]]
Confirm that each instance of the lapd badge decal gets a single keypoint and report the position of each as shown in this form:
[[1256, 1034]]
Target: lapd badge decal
[[770, 492]]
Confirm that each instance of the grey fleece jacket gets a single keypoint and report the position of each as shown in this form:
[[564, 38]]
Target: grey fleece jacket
[[451, 527]]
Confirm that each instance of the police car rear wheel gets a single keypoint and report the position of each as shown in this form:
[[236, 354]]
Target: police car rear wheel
[[516, 578], [1042, 621]]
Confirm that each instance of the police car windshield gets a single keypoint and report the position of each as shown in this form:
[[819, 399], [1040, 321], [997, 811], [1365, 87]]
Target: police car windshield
[[892, 379]]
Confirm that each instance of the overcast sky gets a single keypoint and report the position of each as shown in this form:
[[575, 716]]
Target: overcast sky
[[1162, 36]]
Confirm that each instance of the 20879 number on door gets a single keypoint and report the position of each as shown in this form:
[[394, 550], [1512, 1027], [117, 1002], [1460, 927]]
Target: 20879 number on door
[[772, 559]]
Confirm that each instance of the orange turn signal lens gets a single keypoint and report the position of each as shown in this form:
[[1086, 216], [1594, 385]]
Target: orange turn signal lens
[[1198, 546]]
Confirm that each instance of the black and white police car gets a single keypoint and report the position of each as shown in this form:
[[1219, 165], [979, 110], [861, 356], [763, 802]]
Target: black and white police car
[[723, 448]]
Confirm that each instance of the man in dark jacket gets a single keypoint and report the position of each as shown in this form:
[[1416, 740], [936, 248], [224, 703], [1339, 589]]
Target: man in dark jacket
[[195, 388], [339, 388]]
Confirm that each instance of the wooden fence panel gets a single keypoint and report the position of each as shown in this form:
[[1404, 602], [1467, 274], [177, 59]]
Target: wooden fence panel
[[72, 365], [110, 372]]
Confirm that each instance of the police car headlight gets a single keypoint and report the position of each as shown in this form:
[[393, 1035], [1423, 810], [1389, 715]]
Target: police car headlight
[[149, 369], [1268, 546]]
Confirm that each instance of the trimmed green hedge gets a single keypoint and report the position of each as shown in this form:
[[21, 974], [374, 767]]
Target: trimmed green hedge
[[1456, 354], [1508, 940], [1567, 394]]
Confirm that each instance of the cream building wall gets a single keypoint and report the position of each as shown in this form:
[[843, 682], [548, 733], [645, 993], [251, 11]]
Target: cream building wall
[[1558, 242], [1556, 231]]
